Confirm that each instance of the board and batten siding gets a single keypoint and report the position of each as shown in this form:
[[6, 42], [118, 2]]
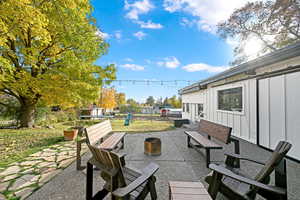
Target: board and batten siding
[[243, 124], [279, 109]]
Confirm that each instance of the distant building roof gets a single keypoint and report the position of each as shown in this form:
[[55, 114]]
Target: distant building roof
[[268, 59]]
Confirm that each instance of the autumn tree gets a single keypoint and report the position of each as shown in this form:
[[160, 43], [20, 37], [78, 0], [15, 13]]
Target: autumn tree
[[274, 23], [47, 51], [120, 99], [108, 98], [175, 102]]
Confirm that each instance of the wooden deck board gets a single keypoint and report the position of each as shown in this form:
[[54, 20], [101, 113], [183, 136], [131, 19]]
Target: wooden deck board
[[188, 191]]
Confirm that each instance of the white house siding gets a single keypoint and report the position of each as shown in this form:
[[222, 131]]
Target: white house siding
[[279, 109], [192, 99], [243, 124]]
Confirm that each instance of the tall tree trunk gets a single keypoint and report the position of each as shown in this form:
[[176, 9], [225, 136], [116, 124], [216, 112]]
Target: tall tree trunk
[[27, 115]]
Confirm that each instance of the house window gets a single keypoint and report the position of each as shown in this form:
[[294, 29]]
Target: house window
[[231, 99], [200, 108], [187, 107], [183, 107]]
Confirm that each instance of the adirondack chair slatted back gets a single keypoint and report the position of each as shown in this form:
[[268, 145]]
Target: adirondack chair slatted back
[[100, 130], [214, 130], [111, 161], [279, 153]]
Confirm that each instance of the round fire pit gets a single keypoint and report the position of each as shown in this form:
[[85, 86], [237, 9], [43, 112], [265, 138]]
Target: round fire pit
[[152, 146]]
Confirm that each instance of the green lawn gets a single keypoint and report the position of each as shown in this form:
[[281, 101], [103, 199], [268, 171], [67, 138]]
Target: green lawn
[[17, 144], [140, 126], [138, 115]]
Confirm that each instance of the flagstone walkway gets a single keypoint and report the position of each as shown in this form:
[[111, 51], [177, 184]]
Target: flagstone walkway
[[20, 179]]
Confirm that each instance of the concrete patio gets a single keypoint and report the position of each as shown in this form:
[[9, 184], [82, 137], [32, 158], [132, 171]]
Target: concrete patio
[[177, 162]]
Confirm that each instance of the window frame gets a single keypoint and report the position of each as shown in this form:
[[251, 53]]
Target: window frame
[[243, 99], [201, 113]]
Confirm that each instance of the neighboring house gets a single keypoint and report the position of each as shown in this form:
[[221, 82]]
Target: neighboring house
[[259, 99], [150, 110], [147, 110], [91, 113]]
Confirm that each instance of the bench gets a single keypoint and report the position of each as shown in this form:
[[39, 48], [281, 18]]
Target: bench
[[179, 190], [97, 135], [211, 130]]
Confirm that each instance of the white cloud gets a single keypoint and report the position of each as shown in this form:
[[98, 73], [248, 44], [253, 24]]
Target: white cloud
[[140, 35], [118, 35], [149, 24], [137, 8], [169, 62], [103, 35], [204, 67], [186, 22], [128, 59], [208, 13], [133, 67]]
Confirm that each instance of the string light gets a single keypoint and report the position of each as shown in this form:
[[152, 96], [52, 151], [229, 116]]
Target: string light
[[178, 83]]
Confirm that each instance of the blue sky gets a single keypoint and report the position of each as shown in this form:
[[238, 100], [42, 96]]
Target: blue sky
[[163, 40]]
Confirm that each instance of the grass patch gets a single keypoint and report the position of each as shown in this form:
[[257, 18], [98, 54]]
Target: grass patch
[[140, 126], [17, 144], [139, 115]]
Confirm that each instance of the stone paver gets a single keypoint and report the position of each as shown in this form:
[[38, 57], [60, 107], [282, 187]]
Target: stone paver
[[50, 159], [10, 177], [10, 170], [63, 157], [18, 184], [20, 179], [3, 186], [24, 193], [2, 197], [65, 163], [30, 162], [47, 176]]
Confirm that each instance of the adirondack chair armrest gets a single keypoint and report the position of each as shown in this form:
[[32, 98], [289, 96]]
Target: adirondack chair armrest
[[147, 172], [239, 157], [121, 155], [226, 172]]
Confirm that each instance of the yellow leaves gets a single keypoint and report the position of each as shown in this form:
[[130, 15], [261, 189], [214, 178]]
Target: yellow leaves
[[107, 98], [53, 45]]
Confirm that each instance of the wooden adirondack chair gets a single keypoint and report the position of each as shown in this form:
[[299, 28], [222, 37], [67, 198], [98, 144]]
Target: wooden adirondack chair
[[235, 184], [122, 182]]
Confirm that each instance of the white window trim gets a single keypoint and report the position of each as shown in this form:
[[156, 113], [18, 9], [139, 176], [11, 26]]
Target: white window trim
[[243, 99]]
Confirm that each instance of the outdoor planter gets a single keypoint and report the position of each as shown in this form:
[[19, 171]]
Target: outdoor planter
[[70, 134]]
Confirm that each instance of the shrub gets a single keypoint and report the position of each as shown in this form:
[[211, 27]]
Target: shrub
[[44, 116]]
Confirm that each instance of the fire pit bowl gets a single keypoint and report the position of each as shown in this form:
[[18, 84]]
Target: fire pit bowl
[[152, 146]]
